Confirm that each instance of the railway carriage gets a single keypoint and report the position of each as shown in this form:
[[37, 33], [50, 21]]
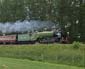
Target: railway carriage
[[7, 39]]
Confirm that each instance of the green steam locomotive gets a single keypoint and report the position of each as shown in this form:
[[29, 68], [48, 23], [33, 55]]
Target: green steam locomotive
[[40, 37]]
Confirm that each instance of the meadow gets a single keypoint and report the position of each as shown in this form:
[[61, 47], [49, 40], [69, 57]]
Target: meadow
[[62, 54], [11, 63]]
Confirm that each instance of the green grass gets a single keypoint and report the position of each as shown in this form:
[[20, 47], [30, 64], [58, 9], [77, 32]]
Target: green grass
[[10, 63], [53, 53]]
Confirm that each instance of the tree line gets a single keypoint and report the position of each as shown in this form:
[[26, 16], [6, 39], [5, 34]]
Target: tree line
[[70, 14]]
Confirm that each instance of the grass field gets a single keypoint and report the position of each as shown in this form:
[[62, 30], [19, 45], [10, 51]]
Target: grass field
[[10, 63], [67, 54]]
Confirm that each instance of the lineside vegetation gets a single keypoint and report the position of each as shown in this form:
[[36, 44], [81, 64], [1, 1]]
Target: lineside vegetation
[[53, 53]]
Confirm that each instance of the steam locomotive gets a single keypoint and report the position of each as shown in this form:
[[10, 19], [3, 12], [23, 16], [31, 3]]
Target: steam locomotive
[[40, 37]]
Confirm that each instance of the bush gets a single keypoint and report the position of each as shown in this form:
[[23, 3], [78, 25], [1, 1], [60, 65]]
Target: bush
[[76, 45]]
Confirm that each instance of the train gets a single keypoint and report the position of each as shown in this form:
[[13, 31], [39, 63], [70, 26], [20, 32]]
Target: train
[[32, 38]]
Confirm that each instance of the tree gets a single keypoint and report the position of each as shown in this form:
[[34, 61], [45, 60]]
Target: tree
[[82, 20], [70, 17], [12, 10]]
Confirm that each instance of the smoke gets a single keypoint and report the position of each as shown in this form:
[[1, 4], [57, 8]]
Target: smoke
[[24, 26]]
